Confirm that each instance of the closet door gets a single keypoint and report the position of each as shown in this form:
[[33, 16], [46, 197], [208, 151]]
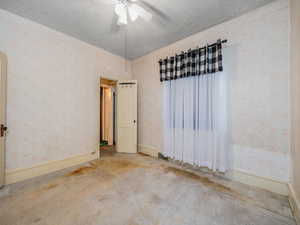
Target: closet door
[[127, 116], [3, 65]]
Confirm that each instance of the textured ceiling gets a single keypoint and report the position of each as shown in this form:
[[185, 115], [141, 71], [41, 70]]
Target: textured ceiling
[[93, 21]]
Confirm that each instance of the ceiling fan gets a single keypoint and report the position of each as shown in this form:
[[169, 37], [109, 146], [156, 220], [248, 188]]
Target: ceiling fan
[[127, 9], [131, 10]]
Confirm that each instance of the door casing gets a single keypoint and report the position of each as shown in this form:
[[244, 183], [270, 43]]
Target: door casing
[[3, 80], [104, 82]]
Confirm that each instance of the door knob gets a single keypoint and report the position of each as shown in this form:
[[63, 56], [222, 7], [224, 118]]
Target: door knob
[[2, 130]]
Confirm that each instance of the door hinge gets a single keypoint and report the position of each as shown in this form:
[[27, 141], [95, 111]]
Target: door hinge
[[3, 129]]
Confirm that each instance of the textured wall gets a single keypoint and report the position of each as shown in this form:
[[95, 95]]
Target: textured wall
[[295, 93], [258, 43], [53, 92]]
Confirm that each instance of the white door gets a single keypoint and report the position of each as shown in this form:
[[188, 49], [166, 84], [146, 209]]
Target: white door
[[3, 65], [127, 116]]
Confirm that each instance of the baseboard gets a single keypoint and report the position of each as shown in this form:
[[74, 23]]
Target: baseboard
[[260, 162], [237, 175], [295, 203], [260, 182], [148, 150], [18, 175]]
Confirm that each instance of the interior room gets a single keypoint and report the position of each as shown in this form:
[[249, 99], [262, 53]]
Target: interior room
[[150, 112]]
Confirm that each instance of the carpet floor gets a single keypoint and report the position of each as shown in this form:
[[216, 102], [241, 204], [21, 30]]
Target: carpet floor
[[124, 189]]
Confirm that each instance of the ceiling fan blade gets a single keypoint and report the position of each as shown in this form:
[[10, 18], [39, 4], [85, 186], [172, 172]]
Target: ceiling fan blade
[[140, 11], [153, 9], [133, 14], [109, 2]]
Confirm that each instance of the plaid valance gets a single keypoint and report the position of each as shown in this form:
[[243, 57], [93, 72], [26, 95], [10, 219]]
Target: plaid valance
[[195, 62]]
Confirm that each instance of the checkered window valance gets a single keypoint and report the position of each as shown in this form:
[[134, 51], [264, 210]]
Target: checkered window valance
[[195, 62]]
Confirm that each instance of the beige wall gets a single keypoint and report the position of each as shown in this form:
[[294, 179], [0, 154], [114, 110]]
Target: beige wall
[[53, 92], [295, 94], [258, 44]]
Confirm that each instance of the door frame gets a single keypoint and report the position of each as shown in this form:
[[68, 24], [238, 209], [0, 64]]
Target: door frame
[[99, 107], [3, 100]]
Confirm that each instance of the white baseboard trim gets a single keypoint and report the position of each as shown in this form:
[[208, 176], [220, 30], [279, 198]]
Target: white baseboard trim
[[295, 203], [148, 150], [260, 182], [260, 162], [17, 175], [238, 175]]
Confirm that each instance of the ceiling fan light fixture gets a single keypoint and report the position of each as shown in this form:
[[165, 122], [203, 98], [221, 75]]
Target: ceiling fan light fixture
[[128, 8], [121, 11], [122, 20], [133, 14]]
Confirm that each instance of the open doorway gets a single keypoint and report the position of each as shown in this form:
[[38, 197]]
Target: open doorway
[[107, 116]]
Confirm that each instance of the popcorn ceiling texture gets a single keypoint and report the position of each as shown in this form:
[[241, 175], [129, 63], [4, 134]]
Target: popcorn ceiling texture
[[93, 21], [53, 92], [258, 49]]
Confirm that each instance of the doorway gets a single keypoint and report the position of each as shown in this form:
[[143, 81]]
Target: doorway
[[107, 116], [118, 116]]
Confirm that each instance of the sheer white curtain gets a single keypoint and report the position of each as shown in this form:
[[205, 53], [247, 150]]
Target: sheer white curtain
[[195, 119]]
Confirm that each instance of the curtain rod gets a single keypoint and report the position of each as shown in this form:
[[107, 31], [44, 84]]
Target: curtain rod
[[222, 41]]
